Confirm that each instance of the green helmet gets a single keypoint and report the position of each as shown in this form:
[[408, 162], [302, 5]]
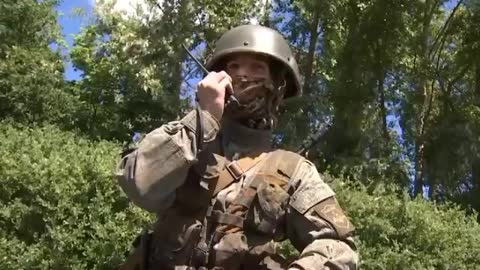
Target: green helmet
[[262, 40]]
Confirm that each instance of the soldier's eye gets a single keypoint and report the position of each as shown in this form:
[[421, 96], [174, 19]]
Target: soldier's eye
[[233, 66], [258, 67]]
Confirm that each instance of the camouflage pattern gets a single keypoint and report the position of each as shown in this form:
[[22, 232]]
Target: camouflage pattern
[[153, 174]]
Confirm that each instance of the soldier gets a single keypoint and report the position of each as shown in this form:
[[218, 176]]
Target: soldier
[[224, 198]]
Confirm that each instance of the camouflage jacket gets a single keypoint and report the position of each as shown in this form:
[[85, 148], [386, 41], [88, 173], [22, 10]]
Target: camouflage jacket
[[153, 174]]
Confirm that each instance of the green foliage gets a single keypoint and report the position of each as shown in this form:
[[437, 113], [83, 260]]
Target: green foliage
[[61, 209], [121, 93], [397, 232], [32, 88], [59, 205], [27, 23], [399, 81], [131, 73]]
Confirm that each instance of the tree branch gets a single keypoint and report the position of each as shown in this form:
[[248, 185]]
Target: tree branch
[[159, 7], [442, 32], [459, 76]]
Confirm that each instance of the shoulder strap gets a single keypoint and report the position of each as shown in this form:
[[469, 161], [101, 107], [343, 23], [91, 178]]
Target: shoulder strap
[[234, 171]]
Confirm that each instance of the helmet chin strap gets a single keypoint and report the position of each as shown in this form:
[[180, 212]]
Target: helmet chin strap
[[258, 112]]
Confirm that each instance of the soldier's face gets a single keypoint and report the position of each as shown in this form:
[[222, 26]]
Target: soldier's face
[[248, 67]]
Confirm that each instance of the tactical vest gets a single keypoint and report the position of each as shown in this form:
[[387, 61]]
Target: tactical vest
[[187, 232]]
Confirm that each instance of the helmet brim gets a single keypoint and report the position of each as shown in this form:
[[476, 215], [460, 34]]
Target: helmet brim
[[293, 85]]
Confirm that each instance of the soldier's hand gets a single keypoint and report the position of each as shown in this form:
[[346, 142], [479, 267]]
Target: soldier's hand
[[211, 92]]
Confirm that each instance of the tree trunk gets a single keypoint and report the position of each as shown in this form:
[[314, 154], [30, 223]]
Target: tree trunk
[[476, 158], [477, 82], [314, 33], [423, 100], [303, 127], [381, 105]]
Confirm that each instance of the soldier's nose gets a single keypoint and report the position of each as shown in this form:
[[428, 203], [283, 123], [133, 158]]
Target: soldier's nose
[[242, 71]]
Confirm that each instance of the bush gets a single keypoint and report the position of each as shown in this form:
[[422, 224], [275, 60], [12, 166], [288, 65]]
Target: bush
[[397, 232], [59, 207]]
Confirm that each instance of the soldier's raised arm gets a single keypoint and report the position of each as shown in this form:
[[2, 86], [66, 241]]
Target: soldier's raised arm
[[317, 225], [150, 174]]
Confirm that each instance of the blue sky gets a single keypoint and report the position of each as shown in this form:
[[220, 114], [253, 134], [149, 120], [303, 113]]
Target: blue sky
[[72, 24]]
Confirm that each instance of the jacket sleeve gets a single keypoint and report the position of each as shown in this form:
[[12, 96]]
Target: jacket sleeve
[[151, 173], [317, 226]]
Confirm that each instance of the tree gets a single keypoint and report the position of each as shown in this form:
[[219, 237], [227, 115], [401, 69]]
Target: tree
[[32, 88]]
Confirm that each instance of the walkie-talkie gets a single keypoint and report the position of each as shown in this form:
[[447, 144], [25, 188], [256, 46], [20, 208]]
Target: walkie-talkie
[[231, 97]]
